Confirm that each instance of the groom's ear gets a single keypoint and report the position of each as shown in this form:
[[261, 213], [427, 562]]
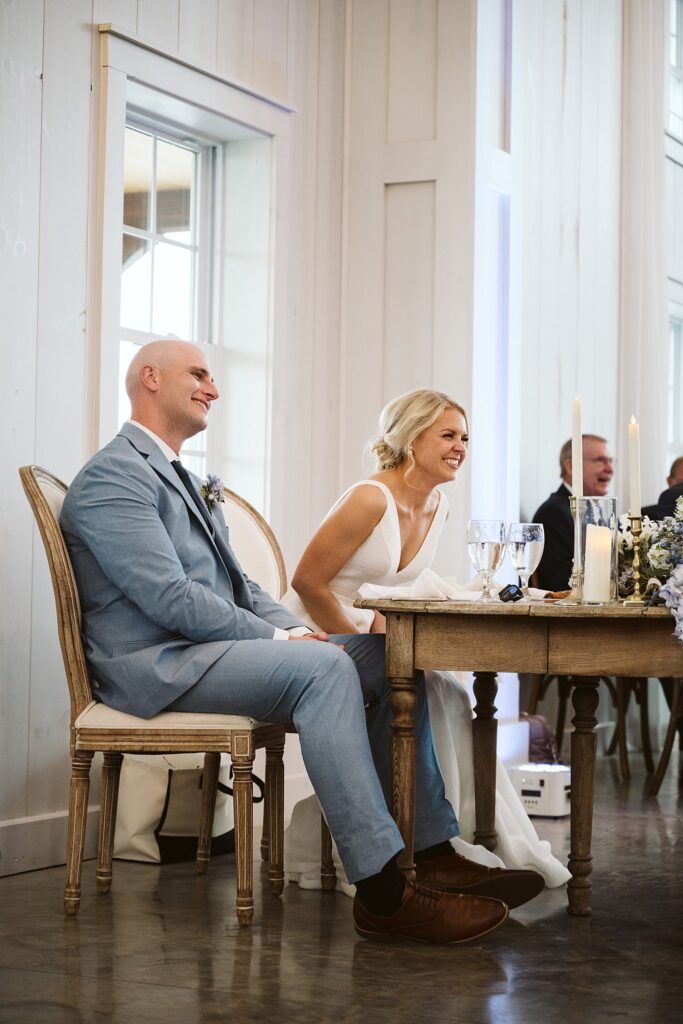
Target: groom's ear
[[149, 377]]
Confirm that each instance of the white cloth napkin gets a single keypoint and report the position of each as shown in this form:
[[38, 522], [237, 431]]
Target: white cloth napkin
[[428, 586]]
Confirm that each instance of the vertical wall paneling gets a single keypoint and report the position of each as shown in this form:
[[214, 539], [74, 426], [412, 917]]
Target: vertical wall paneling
[[412, 70], [408, 286], [235, 39], [326, 328], [60, 381], [245, 326], [197, 32], [122, 13], [21, 39], [269, 62], [362, 370], [454, 246], [158, 23], [294, 340]]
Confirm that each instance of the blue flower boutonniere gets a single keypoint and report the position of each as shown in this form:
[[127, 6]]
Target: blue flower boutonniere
[[212, 490]]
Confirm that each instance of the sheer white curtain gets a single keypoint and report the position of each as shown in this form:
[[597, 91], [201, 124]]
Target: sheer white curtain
[[643, 306]]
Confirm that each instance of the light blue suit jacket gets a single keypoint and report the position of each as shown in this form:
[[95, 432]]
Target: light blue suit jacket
[[162, 598]]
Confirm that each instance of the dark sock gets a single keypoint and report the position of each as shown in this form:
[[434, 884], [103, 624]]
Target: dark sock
[[382, 893], [433, 851]]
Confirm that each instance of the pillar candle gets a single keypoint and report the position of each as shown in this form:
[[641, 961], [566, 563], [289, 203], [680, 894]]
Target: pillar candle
[[598, 564], [577, 449], [634, 466]]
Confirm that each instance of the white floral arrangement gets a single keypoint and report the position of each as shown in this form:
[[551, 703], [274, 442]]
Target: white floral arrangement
[[212, 491], [661, 562]]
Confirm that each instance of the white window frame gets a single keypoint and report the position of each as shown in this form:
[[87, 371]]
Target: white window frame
[[134, 76]]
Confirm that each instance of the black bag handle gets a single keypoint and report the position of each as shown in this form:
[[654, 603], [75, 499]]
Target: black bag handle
[[259, 783]]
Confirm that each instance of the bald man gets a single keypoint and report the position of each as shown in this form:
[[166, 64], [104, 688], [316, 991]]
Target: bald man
[[171, 622]]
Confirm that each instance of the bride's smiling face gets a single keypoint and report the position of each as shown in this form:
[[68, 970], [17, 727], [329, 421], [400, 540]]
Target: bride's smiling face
[[440, 450]]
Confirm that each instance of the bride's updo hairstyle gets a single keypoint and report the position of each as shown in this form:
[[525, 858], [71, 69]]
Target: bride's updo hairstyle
[[402, 420]]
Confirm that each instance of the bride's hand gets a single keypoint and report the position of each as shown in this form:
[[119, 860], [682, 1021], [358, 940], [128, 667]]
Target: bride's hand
[[379, 623]]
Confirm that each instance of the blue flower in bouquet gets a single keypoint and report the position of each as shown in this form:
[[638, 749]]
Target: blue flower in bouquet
[[212, 491]]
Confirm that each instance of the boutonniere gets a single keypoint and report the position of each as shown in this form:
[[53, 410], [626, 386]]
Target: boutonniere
[[212, 490]]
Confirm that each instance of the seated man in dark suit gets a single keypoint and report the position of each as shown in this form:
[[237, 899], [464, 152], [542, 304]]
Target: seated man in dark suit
[[666, 506], [555, 567]]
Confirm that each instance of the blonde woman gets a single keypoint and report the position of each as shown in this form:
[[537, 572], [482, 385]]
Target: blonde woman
[[384, 530]]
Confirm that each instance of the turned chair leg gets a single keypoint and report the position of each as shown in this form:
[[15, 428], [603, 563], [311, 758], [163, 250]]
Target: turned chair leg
[[641, 692], [212, 766], [623, 695], [275, 826], [242, 755], [676, 714], [111, 771], [265, 840], [564, 693], [535, 693], [78, 812]]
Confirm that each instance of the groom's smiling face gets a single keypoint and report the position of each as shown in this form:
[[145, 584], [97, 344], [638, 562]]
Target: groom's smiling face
[[441, 449]]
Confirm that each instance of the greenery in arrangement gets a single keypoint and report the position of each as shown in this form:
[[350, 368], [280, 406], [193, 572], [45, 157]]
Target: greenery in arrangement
[[661, 562]]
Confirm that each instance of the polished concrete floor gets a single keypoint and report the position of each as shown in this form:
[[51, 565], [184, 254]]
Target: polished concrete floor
[[164, 946]]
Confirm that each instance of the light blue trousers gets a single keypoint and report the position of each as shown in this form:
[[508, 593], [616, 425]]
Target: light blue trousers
[[324, 691]]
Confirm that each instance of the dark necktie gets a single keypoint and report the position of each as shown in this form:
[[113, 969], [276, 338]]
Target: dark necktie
[[186, 480]]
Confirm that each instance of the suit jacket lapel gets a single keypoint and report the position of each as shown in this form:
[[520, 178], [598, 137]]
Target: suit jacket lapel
[[158, 461]]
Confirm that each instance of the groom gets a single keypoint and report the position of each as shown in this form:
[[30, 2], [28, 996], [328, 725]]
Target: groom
[[171, 622]]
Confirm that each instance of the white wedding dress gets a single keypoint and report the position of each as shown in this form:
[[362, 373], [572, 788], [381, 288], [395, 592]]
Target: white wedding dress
[[450, 715]]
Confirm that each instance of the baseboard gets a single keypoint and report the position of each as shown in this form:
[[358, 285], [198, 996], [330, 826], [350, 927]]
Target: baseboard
[[27, 844]]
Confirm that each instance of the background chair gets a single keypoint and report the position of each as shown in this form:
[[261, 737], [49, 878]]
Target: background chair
[[675, 720], [260, 555], [95, 727], [620, 694]]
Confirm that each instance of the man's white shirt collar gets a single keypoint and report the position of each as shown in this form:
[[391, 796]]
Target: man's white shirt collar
[[166, 449]]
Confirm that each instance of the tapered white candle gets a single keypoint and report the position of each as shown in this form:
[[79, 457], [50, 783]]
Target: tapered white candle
[[577, 449], [596, 575], [634, 466]]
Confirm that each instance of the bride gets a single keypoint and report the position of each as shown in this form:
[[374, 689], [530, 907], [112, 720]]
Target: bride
[[384, 530]]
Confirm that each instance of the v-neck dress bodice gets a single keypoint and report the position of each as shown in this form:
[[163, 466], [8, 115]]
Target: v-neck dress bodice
[[376, 560]]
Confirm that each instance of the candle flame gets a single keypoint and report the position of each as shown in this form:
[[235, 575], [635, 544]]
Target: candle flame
[[633, 419]]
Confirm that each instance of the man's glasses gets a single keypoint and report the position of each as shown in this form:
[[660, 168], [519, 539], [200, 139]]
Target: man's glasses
[[604, 460]]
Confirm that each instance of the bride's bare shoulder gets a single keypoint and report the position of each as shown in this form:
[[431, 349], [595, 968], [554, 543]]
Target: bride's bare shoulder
[[364, 500]]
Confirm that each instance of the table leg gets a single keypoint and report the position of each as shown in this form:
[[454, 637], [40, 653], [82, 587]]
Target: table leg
[[403, 703], [403, 697], [585, 702], [484, 736]]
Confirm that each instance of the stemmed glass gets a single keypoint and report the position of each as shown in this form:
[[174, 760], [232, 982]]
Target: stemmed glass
[[525, 547], [486, 548]]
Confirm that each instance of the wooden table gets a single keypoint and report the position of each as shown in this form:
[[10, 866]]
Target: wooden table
[[579, 640]]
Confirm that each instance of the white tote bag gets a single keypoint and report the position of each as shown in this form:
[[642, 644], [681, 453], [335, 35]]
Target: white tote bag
[[159, 806]]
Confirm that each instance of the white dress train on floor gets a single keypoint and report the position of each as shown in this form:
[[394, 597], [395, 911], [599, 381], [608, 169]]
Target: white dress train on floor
[[450, 714]]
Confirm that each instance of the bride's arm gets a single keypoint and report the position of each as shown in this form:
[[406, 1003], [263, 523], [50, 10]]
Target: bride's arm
[[334, 543]]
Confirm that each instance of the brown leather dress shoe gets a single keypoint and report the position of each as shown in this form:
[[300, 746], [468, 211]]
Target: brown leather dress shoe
[[455, 874], [429, 916]]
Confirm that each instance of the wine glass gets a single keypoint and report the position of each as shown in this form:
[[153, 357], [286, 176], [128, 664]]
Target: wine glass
[[525, 547], [486, 548]]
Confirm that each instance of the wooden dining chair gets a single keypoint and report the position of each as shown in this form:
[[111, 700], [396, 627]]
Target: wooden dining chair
[[260, 555], [675, 719], [96, 727], [620, 693]]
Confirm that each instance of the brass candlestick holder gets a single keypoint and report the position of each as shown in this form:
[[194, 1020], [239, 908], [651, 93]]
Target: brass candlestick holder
[[636, 526], [573, 596]]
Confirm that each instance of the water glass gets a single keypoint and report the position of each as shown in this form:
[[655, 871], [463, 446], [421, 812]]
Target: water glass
[[486, 548], [525, 547]]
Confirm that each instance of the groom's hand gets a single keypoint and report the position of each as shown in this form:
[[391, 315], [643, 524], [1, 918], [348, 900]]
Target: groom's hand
[[311, 636]]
